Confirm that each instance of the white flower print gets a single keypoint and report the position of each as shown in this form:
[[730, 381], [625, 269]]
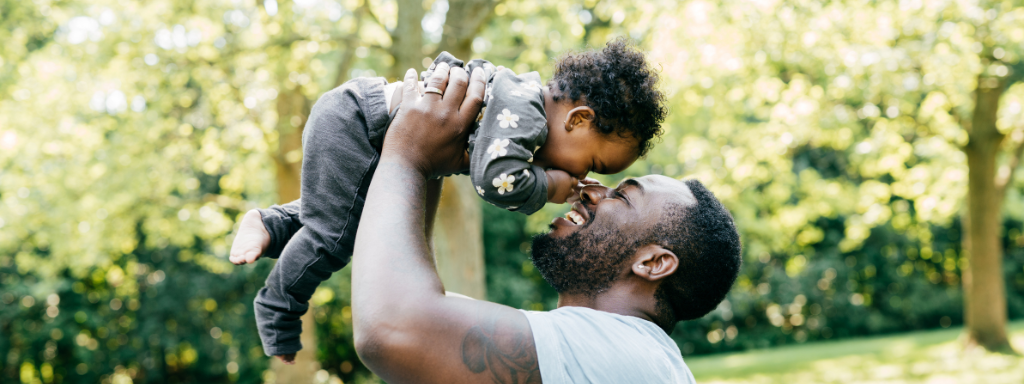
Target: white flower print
[[490, 95], [526, 173], [498, 148], [530, 160], [533, 86], [504, 183], [479, 190], [481, 115], [516, 93], [506, 118]]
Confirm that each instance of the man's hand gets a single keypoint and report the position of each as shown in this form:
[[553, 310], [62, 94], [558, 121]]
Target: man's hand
[[561, 186], [430, 136]]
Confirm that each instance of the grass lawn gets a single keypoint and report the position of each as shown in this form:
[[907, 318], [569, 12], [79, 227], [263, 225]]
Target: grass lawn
[[933, 357]]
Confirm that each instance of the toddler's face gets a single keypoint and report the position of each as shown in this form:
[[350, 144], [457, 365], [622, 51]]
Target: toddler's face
[[586, 150]]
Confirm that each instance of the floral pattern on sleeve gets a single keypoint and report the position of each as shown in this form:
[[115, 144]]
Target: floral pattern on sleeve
[[504, 183], [506, 119]]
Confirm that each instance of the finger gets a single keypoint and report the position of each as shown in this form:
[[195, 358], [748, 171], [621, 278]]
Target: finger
[[474, 97], [410, 87], [574, 197], [589, 181], [457, 81], [438, 80]]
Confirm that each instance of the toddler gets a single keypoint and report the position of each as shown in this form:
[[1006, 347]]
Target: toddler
[[532, 145]]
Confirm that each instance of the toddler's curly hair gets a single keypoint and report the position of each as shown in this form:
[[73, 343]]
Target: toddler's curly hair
[[619, 85]]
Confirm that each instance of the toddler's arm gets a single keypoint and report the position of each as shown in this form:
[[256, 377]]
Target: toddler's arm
[[513, 126]]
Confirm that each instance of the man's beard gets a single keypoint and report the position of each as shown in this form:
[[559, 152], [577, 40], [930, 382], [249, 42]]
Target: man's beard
[[585, 262]]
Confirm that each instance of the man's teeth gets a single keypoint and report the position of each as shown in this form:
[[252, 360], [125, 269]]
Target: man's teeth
[[575, 217]]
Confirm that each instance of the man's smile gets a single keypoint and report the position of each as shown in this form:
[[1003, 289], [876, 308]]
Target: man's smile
[[579, 216]]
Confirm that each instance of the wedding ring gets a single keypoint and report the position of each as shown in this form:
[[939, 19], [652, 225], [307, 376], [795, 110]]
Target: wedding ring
[[434, 90]]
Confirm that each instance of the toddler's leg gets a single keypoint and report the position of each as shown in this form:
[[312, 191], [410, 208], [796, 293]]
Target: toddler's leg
[[338, 164]]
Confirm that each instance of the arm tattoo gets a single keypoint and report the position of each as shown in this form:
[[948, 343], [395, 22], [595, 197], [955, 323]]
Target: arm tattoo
[[510, 357]]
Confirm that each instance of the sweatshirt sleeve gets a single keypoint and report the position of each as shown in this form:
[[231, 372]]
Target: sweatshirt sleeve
[[513, 125]]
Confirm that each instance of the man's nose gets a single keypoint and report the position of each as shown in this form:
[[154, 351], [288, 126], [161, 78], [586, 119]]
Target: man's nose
[[593, 193]]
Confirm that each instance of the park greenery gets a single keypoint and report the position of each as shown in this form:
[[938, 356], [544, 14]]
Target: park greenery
[[866, 149], [933, 356]]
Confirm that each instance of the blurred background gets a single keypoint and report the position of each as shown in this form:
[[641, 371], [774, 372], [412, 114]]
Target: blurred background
[[867, 150]]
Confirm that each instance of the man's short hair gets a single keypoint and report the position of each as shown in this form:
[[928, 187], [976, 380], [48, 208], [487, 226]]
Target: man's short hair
[[705, 239]]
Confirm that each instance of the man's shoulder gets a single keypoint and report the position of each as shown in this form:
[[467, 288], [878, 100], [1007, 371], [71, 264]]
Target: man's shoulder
[[583, 319], [574, 342]]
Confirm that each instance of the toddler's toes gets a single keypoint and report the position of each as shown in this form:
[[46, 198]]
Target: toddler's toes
[[252, 255], [237, 259]]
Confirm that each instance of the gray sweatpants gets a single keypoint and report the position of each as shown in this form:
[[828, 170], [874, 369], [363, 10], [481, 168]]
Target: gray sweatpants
[[341, 146]]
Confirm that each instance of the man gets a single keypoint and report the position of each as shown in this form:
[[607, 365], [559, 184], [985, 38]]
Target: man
[[634, 260]]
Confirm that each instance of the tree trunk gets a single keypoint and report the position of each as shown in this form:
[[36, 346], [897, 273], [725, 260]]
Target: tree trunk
[[464, 21], [292, 108], [407, 39], [984, 289], [458, 233], [458, 239]]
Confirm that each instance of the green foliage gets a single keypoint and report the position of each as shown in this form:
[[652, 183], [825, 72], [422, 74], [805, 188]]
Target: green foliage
[[133, 134], [153, 318]]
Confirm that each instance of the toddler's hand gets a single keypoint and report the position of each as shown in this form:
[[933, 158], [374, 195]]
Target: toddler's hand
[[576, 191], [288, 359], [560, 185]]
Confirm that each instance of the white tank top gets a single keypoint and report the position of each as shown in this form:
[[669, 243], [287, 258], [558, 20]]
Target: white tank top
[[581, 345]]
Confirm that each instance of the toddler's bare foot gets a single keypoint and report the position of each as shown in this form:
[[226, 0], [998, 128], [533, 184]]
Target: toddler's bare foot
[[252, 239]]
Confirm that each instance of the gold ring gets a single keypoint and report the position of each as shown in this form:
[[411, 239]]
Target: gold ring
[[434, 90]]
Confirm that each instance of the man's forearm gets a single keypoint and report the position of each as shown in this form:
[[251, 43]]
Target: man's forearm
[[434, 189], [392, 264]]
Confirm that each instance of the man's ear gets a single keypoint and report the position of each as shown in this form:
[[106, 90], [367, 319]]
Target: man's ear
[[578, 117], [653, 262]]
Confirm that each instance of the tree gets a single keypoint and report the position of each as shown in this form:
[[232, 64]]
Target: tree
[[458, 233], [458, 241], [909, 94]]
